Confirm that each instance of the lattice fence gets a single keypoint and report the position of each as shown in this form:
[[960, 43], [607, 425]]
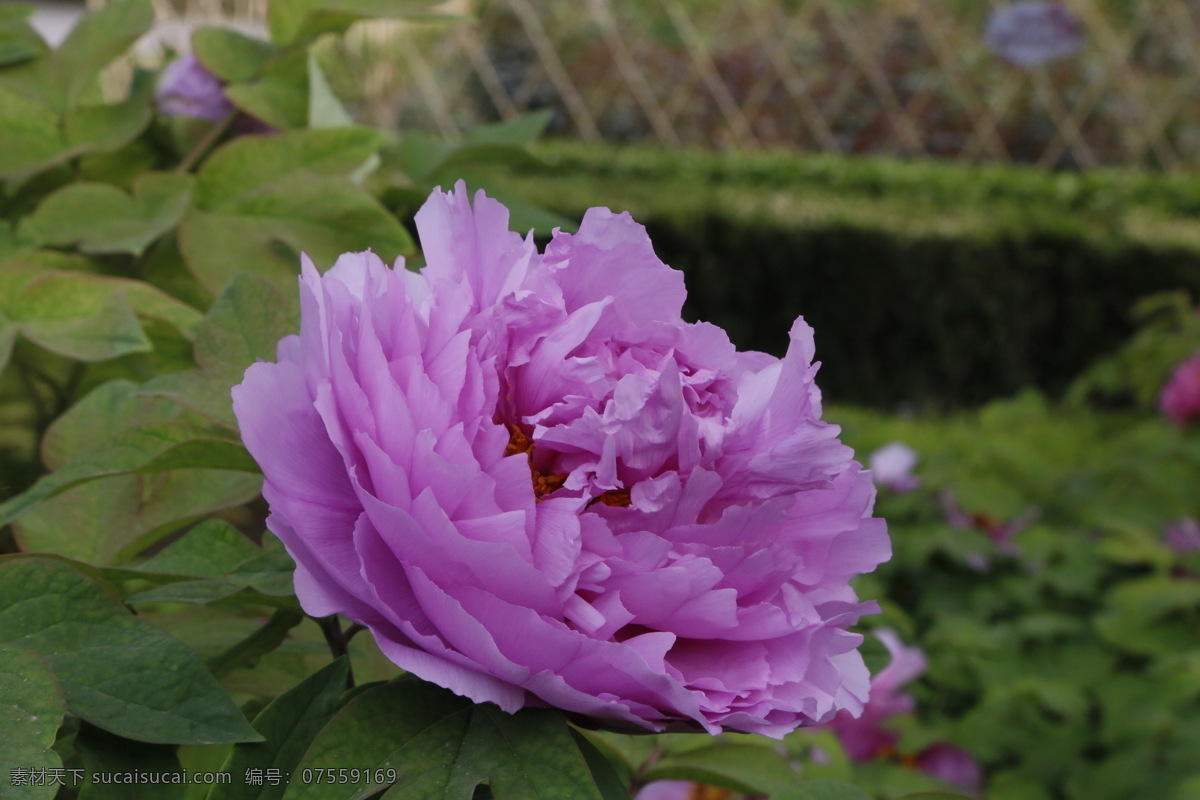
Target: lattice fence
[[901, 77]]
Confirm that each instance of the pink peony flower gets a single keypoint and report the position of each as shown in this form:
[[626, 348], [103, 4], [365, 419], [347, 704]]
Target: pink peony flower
[[534, 483], [1031, 33], [864, 738], [1183, 535], [1180, 399], [952, 765], [892, 467], [187, 88]]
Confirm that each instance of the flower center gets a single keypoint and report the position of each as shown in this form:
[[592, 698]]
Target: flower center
[[545, 483]]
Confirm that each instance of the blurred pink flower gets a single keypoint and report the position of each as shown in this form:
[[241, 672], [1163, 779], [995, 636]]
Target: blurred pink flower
[[536, 484], [952, 765], [187, 88], [1180, 399], [1031, 33], [1183, 535], [892, 467], [866, 739], [1002, 534]]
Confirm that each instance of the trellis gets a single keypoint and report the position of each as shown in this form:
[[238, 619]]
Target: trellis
[[900, 77]]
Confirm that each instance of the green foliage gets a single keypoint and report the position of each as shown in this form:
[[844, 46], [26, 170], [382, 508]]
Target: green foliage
[[29, 719], [1050, 607], [116, 672]]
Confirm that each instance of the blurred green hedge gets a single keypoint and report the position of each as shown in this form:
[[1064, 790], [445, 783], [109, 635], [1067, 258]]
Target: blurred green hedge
[[929, 285]]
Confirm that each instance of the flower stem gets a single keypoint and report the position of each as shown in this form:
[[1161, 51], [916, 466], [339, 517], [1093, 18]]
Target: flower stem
[[200, 148]]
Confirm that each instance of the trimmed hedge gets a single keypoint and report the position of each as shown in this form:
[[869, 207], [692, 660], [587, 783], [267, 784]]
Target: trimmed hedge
[[927, 284]]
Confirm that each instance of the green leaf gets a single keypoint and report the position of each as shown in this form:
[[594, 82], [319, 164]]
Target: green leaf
[[83, 315], [288, 726], [18, 41], [105, 754], [244, 324], [263, 200], [320, 218], [101, 128], [279, 96], [247, 167], [109, 408], [325, 110], [116, 672], [212, 549], [519, 131], [264, 640], [97, 39], [65, 314], [30, 715], [1152, 616], [612, 781], [31, 135], [443, 746], [110, 520], [747, 768], [824, 789], [102, 219], [302, 20], [231, 56], [155, 447]]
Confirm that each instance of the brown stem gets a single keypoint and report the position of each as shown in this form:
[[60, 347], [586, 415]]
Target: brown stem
[[200, 148]]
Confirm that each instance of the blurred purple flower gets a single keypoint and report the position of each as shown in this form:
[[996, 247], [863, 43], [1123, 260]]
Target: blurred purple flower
[[952, 765], [1180, 399], [1183, 535], [535, 483], [1032, 33], [682, 790], [892, 467], [866, 739], [187, 88], [1002, 534]]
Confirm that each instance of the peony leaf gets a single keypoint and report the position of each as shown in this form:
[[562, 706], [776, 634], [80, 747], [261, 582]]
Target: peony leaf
[[212, 549], [746, 768], [261, 201], [111, 408], [259, 643], [288, 726], [247, 167], [440, 745], [104, 753], [96, 40], [18, 41], [32, 139], [116, 672], [30, 715], [101, 128], [110, 520], [325, 110], [244, 324], [102, 219], [1153, 616], [279, 96], [823, 789], [156, 447], [231, 56], [83, 315]]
